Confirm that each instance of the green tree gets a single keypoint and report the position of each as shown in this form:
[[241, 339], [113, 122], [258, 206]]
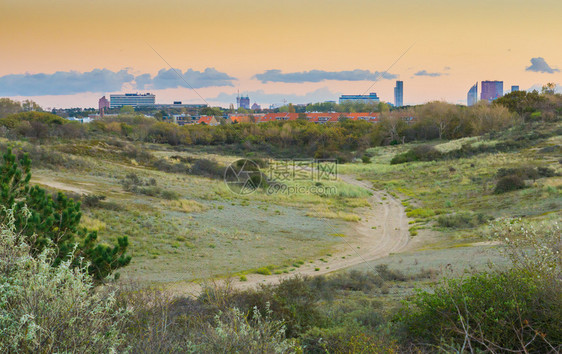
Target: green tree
[[383, 107], [54, 221], [29, 105], [521, 102], [211, 111], [549, 88], [127, 110], [7, 107]]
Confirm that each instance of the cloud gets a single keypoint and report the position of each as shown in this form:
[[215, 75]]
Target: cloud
[[167, 78], [142, 81], [261, 97], [64, 82], [539, 65], [426, 73], [321, 75], [104, 80]]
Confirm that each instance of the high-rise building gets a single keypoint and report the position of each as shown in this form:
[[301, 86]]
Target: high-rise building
[[514, 88], [243, 102], [491, 90], [370, 98], [399, 94], [132, 99], [472, 95]]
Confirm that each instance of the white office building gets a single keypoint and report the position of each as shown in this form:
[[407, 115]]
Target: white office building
[[131, 99]]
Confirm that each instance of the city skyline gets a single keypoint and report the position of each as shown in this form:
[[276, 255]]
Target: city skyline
[[72, 54]]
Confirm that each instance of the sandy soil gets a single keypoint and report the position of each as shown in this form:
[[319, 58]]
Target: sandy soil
[[383, 230], [45, 182]]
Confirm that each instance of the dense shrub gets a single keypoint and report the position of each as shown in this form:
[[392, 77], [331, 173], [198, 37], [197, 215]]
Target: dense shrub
[[518, 309], [237, 332], [52, 309], [509, 183], [348, 338], [525, 172], [171, 167], [47, 158], [492, 311], [461, 220], [418, 153], [207, 168]]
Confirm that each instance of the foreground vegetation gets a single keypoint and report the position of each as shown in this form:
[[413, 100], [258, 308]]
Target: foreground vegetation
[[515, 309], [497, 186]]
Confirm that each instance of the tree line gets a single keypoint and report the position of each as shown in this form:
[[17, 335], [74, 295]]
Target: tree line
[[433, 120]]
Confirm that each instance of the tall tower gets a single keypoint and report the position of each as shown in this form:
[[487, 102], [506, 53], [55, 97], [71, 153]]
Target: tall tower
[[399, 94], [472, 96], [103, 104], [491, 90]]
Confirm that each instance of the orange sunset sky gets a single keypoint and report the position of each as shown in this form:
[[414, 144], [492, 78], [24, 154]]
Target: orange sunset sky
[[50, 50]]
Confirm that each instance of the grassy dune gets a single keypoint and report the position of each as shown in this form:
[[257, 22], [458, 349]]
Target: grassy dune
[[204, 230]]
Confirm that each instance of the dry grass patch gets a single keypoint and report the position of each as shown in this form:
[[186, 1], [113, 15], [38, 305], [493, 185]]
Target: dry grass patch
[[329, 214], [184, 205], [92, 223]]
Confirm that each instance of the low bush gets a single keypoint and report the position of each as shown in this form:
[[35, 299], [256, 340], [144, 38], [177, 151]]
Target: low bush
[[53, 309], [263, 271], [207, 168], [418, 153], [237, 332], [509, 183], [461, 220], [135, 184], [92, 200], [420, 213], [170, 167], [490, 311], [525, 172], [388, 274]]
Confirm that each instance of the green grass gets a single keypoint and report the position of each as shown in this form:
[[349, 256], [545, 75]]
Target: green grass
[[465, 186], [420, 213], [208, 231]]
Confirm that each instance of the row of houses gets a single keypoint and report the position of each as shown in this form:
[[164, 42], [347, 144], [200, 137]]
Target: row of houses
[[314, 117]]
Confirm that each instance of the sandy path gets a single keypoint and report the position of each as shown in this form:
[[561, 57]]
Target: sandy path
[[383, 229], [46, 182]]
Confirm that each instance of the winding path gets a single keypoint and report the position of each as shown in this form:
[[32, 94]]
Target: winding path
[[382, 230]]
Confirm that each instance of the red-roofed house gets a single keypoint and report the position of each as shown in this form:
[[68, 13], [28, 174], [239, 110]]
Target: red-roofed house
[[208, 120], [315, 117]]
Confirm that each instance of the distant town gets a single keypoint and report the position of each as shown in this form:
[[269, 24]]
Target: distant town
[[369, 106]]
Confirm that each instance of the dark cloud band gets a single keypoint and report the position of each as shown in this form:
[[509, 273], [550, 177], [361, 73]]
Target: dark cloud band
[[63, 82], [104, 80], [540, 65]]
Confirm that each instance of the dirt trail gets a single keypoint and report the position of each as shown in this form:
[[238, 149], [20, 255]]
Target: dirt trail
[[383, 229], [46, 182]]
